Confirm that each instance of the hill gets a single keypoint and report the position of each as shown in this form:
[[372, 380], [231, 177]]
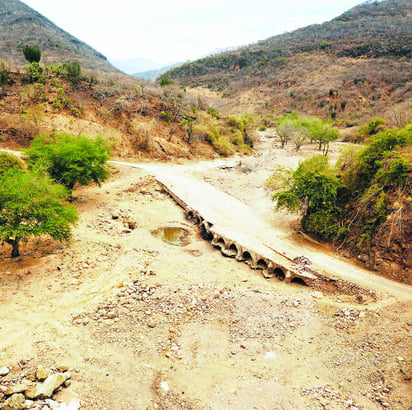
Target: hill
[[153, 74], [21, 25], [133, 65], [351, 67]]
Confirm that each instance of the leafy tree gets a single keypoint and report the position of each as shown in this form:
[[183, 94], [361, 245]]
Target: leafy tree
[[32, 53], [285, 131], [299, 136], [31, 205], [9, 161], [287, 126], [247, 123], [321, 132], [69, 159], [188, 124]]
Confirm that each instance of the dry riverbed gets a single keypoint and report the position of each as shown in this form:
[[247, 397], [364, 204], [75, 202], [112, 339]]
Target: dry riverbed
[[142, 324]]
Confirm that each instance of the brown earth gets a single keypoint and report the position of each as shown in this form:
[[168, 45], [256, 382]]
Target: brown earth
[[146, 324]]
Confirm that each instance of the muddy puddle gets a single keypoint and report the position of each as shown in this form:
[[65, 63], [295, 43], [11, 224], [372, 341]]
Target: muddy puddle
[[172, 235]]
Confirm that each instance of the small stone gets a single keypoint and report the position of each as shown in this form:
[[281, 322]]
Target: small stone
[[152, 325], [42, 373], [4, 371], [63, 369], [164, 388], [52, 404], [270, 356], [67, 383], [18, 388], [29, 404], [15, 402]]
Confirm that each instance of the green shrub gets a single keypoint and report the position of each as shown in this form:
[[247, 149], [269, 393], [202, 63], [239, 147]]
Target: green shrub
[[372, 127], [69, 159], [73, 71], [368, 192], [32, 54], [165, 80], [10, 161], [35, 71], [62, 102], [166, 116], [4, 75]]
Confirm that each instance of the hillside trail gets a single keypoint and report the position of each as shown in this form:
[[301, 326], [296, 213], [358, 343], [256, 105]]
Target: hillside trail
[[203, 184]]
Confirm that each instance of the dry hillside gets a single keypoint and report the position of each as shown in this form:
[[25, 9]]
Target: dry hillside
[[140, 121], [349, 69]]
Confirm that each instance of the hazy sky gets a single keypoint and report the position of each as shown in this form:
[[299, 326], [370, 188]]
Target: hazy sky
[[179, 30]]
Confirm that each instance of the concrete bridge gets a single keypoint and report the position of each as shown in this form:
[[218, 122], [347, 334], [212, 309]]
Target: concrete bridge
[[233, 228]]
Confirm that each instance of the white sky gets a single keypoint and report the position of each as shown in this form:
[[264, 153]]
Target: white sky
[[178, 30]]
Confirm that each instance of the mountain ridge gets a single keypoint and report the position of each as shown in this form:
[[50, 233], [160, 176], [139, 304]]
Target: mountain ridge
[[153, 74], [358, 62]]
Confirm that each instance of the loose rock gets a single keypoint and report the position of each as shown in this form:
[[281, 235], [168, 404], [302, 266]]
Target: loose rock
[[47, 388], [164, 388], [18, 388], [42, 373], [15, 402], [4, 371]]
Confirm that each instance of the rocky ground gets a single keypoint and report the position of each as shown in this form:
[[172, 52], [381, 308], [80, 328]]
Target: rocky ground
[[134, 322]]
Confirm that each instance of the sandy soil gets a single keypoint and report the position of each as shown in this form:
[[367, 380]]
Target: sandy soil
[[145, 324]]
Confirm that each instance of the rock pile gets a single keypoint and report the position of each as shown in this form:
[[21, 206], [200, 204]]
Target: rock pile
[[35, 390], [325, 396]]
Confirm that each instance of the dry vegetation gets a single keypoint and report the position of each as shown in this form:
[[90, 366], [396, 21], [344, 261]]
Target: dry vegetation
[[141, 120]]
